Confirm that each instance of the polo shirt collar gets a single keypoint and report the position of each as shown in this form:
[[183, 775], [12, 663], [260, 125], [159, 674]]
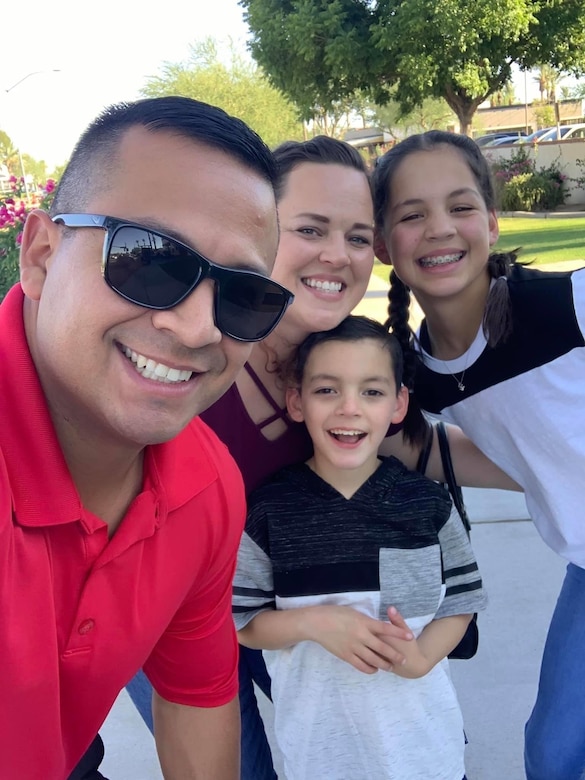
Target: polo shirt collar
[[43, 491]]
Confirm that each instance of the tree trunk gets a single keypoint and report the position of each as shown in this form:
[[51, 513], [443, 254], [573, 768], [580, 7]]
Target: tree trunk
[[464, 107]]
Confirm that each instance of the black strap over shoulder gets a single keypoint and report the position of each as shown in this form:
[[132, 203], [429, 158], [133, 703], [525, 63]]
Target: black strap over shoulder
[[454, 489], [423, 458], [468, 645]]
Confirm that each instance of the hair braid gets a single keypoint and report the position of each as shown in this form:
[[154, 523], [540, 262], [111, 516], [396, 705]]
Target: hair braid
[[497, 318], [415, 426]]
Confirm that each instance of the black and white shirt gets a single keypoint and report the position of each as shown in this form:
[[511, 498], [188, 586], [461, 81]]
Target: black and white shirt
[[394, 542], [524, 401]]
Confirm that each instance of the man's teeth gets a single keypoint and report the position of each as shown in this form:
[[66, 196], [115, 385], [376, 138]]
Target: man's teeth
[[429, 262], [157, 371], [327, 286]]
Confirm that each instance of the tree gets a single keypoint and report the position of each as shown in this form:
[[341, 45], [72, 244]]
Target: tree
[[503, 97], [8, 153], [37, 169], [240, 88], [544, 115], [433, 114], [547, 79], [323, 50]]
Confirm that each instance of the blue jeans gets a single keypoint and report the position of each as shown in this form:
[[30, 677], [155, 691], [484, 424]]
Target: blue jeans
[[256, 756], [555, 732]]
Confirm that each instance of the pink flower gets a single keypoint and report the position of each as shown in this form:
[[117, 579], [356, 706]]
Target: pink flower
[[49, 186]]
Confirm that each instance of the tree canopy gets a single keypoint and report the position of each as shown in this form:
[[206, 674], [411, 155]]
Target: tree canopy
[[322, 51], [239, 87]]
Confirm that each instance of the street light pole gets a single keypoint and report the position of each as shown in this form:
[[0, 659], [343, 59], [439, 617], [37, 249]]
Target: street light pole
[[525, 103], [16, 84], [28, 75]]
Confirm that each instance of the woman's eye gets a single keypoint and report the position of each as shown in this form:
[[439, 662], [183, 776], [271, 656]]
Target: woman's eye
[[308, 231], [360, 240], [409, 217]]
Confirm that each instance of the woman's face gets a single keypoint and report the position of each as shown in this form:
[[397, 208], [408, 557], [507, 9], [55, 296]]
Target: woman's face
[[326, 254], [438, 230]]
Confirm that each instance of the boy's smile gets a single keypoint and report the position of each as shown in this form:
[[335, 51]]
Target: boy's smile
[[347, 400]]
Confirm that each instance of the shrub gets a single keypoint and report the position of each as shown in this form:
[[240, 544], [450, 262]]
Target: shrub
[[14, 209], [521, 187]]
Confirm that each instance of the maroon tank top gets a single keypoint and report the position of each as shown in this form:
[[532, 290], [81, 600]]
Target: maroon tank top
[[257, 457]]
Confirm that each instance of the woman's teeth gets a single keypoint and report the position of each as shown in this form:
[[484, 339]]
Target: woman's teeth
[[325, 286]]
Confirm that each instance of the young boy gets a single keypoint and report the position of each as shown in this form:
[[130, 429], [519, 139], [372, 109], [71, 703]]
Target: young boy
[[349, 562]]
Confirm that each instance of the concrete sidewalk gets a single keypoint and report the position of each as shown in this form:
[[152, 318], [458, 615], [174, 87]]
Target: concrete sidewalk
[[496, 688]]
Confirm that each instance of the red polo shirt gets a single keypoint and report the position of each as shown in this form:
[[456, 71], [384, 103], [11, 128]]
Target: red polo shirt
[[80, 614]]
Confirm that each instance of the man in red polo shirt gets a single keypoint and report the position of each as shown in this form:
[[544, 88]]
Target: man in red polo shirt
[[121, 514]]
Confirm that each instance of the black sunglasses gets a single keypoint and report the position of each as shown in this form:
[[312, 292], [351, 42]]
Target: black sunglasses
[[158, 272]]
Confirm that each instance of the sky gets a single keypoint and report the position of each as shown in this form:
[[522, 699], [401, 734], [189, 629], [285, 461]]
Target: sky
[[104, 52]]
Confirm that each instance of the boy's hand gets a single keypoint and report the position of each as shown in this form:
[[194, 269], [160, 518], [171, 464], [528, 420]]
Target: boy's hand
[[434, 643], [365, 643], [415, 664]]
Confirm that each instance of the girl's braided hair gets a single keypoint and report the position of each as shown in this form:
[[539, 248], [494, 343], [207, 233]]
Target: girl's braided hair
[[497, 319]]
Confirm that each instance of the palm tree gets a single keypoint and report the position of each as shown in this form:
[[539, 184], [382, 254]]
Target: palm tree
[[547, 79]]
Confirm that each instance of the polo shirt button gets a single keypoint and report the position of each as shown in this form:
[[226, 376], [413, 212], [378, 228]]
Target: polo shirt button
[[86, 626]]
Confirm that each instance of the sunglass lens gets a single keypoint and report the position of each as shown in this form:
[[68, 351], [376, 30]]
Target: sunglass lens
[[149, 269], [248, 307]]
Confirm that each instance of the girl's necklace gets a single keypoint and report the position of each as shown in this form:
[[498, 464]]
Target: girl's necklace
[[460, 385], [458, 381]]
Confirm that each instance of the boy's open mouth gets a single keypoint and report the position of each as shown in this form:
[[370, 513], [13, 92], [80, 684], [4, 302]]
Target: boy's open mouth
[[347, 437]]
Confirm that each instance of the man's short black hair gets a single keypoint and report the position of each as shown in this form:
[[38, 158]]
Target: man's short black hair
[[94, 156]]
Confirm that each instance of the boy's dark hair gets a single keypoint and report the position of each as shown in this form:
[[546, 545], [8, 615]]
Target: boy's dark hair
[[322, 150], [94, 156], [356, 328], [497, 320]]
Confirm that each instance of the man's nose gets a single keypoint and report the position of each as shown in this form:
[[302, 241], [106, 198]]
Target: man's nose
[[192, 321]]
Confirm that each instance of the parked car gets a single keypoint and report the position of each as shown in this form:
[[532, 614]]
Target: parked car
[[483, 140], [507, 139], [550, 134], [534, 137]]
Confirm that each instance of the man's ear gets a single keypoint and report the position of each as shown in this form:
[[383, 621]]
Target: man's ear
[[380, 249], [401, 405], [39, 240], [293, 404]]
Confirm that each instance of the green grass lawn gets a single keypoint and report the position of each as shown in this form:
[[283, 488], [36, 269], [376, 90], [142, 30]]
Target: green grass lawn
[[542, 240]]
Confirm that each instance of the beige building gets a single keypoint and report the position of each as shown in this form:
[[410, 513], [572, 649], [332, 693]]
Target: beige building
[[521, 117]]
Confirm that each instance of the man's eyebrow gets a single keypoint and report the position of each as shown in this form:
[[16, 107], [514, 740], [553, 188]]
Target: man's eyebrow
[[325, 220], [454, 194]]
